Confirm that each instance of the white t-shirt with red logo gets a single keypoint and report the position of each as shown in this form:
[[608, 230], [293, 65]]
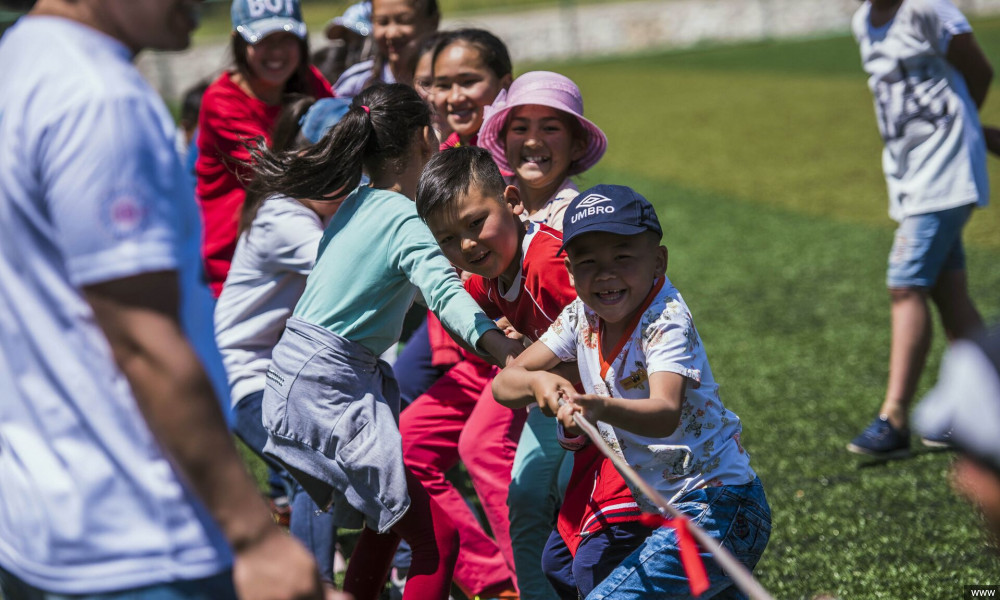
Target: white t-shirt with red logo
[[705, 448]]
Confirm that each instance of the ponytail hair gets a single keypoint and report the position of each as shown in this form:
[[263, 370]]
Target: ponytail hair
[[284, 138], [375, 135]]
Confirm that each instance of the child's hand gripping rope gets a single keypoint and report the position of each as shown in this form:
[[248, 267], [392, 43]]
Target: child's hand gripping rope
[[574, 411]]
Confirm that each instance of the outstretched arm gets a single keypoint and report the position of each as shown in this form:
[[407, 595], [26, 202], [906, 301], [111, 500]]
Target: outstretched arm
[[139, 317]]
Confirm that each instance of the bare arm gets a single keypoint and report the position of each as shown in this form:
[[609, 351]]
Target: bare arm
[[968, 58], [526, 380], [139, 316], [656, 416]]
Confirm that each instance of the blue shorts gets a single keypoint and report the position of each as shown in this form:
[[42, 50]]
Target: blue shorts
[[596, 557], [925, 245]]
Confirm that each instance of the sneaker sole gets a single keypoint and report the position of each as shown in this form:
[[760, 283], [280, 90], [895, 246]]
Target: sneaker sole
[[935, 443], [867, 452]]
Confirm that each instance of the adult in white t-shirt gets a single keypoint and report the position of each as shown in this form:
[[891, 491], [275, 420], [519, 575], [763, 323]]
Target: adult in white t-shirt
[[928, 78], [118, 471]]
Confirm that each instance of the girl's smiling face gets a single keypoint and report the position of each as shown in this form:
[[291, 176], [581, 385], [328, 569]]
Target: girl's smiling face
[[540, 146], [397, 26], [274, 59], [463, 85]]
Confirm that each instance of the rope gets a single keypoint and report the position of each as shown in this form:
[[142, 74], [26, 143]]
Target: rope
[[740, 575]]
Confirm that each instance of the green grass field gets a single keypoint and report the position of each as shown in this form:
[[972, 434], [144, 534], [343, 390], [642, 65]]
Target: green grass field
[[764, 163]]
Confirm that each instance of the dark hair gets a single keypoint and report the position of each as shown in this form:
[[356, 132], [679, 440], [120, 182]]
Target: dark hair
[[285, 137], [492, 50], [298, 83], [191, 104], [431, 10], [372, 141], [454, 172], [428, 43]]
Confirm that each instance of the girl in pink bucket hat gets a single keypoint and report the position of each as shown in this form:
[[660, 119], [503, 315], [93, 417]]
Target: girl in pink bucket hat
[[537, 132]]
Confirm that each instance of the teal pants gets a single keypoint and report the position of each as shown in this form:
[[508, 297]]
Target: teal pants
[[538, 480]]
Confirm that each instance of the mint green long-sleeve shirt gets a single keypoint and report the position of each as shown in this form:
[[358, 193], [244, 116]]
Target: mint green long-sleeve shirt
[[374, 256]]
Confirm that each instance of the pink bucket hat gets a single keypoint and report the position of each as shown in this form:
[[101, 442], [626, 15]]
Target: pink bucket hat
[[543, 88]]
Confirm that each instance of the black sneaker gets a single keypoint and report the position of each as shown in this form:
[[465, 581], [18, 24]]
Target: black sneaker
[[881, 440]]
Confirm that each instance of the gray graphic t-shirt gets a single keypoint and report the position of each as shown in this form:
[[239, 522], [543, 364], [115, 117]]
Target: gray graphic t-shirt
[[934, 156]]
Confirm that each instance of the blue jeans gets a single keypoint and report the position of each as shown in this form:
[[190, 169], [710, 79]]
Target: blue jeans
[[217, 587], [309, 525], [415, 373], [738, 516]]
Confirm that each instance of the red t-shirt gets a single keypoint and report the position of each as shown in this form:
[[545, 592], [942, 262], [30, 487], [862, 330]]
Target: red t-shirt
[[229, 117], [596, 496], [541, 291]]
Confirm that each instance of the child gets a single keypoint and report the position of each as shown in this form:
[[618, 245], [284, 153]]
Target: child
[[423, 79], [271, 58], [537, 131], [397, 26], [966, 403], [471, 66], [649, 384], [928, 77], [330, 405], [276, 250], [456, 418], [350, 37]]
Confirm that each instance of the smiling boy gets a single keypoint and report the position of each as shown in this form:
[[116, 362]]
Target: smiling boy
[[517, 273], [649, 388]]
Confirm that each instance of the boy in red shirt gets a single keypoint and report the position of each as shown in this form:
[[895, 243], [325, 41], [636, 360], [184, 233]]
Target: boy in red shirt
[[517, 274]]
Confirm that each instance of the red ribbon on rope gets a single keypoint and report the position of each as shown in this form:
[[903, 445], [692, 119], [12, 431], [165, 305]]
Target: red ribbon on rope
[[694, 568]]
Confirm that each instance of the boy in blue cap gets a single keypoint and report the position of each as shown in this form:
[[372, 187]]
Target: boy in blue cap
[[648, 387]]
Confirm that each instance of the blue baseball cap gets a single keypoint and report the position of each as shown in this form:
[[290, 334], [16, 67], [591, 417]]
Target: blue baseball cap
[[257, 19], [611, 209], [321, 116], [357, 18]]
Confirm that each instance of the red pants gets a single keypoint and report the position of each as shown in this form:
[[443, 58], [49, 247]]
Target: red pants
[[433, 541], [457, 418]]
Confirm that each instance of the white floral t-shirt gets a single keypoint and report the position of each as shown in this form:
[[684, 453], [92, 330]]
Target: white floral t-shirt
[[705, 448]]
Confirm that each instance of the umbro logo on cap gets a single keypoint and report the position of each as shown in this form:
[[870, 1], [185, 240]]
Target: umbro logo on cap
[[591, 200]]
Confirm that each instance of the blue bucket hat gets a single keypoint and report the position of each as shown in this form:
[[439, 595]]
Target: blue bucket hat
[[257, 19], [322, 116], [611, 209]]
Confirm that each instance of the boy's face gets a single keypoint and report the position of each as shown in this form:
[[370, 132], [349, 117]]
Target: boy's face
[[479, 233], [613, 273]]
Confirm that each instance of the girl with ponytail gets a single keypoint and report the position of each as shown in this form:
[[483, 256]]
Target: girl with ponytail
[[331, 407]]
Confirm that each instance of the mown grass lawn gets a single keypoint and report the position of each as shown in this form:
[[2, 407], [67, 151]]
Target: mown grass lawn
[[763, 161]]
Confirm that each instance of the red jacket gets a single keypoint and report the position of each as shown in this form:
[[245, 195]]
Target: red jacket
[[229, 117]]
